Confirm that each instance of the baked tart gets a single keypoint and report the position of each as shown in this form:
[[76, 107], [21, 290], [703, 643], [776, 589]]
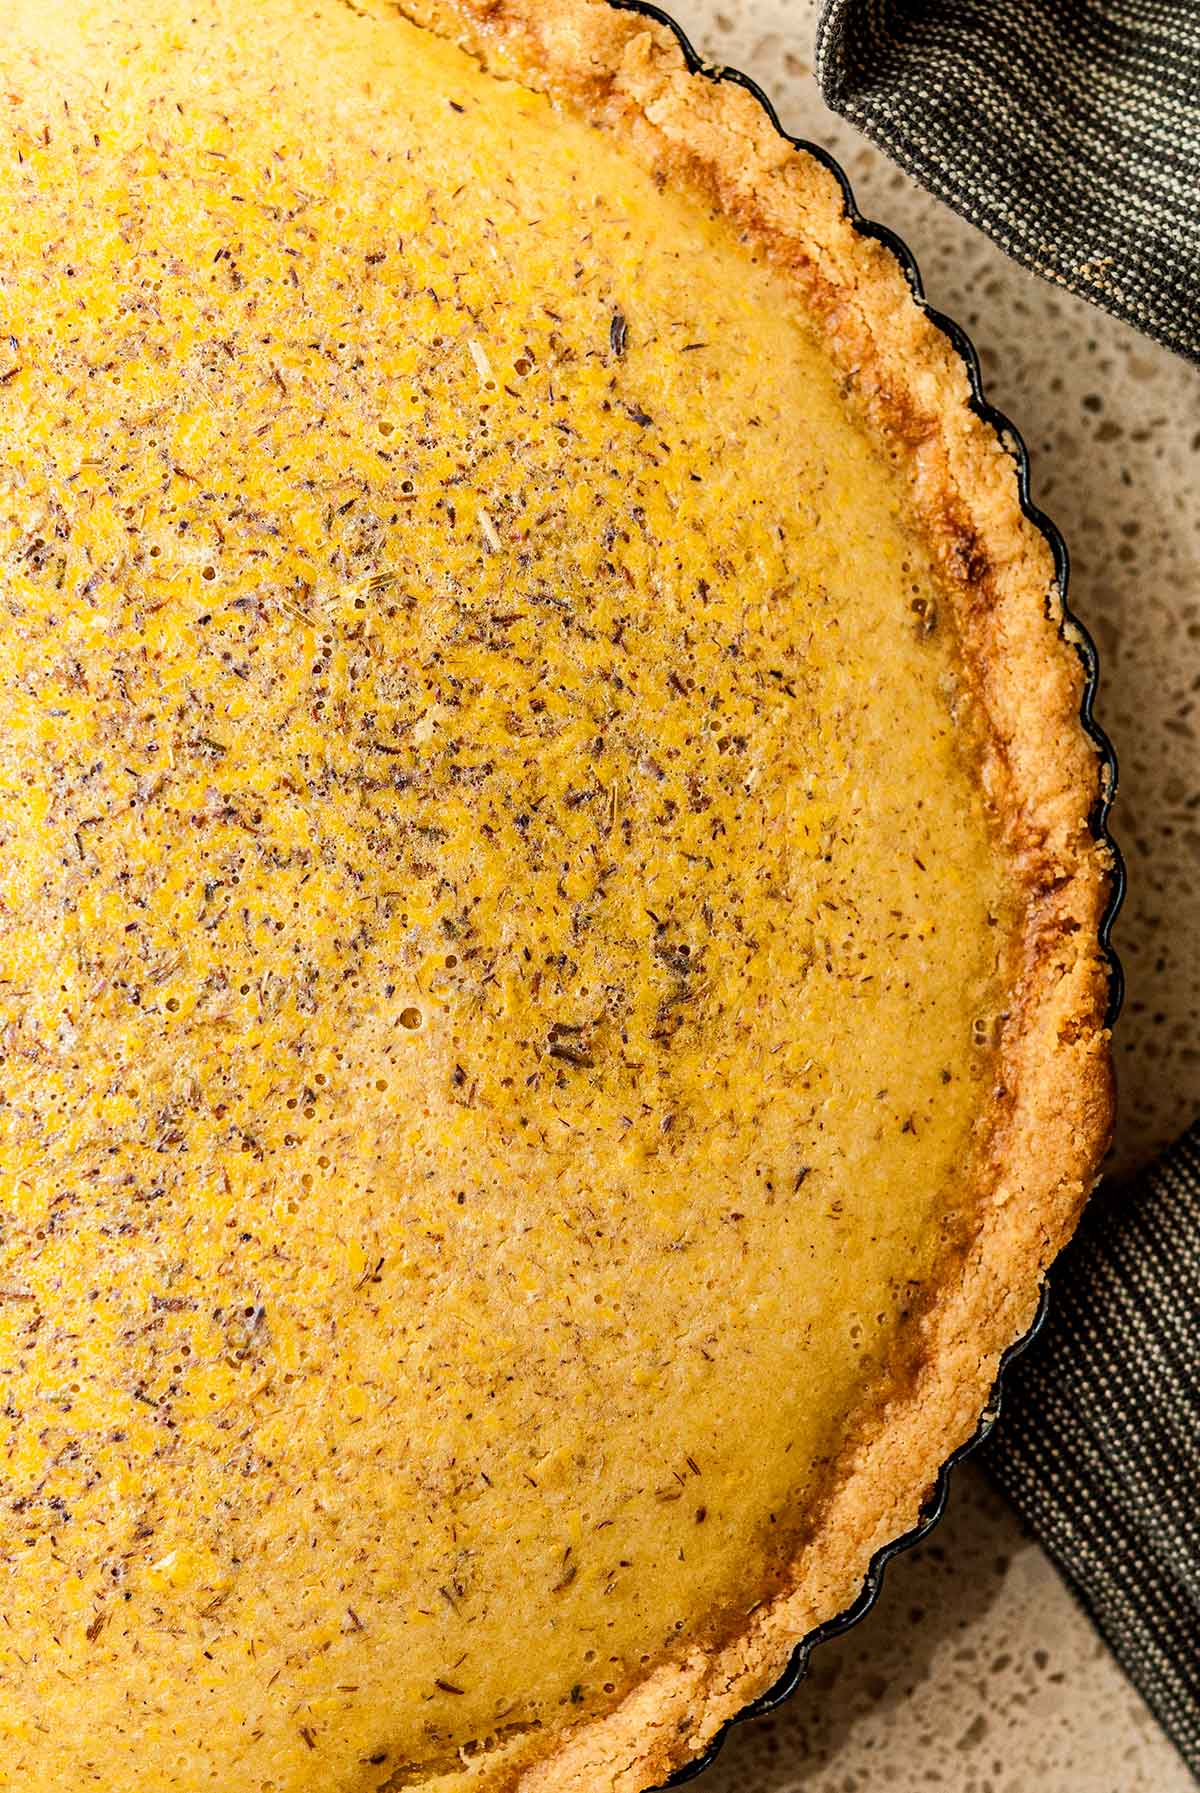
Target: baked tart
[[552, 999]]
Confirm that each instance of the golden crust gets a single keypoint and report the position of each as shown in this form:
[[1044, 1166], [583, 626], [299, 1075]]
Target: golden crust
[[1054, 1093]]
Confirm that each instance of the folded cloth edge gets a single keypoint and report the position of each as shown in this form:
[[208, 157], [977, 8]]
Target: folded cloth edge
[[1070, 138], [1098, 1442]]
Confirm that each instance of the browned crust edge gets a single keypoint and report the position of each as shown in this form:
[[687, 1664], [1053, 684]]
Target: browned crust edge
[[1054, 1088]]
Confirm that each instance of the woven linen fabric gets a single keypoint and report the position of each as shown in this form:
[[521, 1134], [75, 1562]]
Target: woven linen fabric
[[1068, 130], [1098, 1443]]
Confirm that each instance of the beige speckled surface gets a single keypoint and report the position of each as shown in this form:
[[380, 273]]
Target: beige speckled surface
[[976, 1673]]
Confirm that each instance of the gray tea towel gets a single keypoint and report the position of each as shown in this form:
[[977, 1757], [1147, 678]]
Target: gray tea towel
[[1098, 1443], [1068, 130]]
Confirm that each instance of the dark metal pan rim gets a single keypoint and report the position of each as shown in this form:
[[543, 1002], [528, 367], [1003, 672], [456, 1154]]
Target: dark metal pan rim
[[1079, 638]]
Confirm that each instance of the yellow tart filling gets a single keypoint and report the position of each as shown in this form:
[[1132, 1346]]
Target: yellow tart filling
[[499, 932]]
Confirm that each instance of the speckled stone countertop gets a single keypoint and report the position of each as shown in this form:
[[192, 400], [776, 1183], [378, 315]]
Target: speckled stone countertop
[[976, 1673]]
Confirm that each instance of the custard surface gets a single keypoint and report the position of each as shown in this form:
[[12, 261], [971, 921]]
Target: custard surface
[[496, 910]]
